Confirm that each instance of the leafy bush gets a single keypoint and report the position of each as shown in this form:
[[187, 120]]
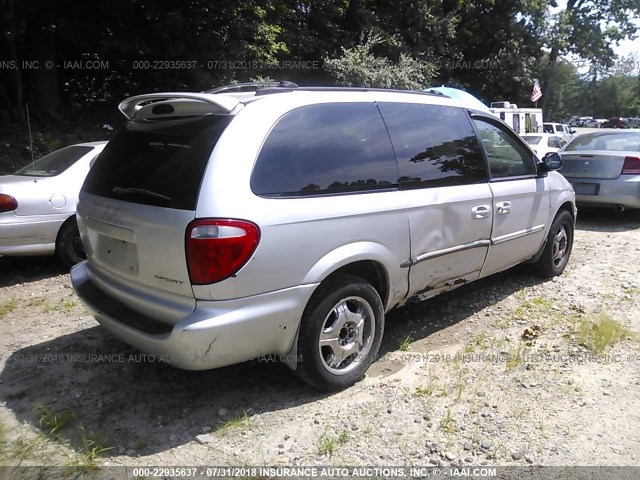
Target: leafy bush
[[359, 66]]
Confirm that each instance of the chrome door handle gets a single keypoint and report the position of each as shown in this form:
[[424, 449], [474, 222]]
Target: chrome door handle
[[502, 208], [481, 211]]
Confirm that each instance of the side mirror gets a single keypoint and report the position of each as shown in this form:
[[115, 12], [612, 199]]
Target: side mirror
[[552, 161], [572, 131]]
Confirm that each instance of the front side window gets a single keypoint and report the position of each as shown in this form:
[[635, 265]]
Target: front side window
[[435, 145], [507, 156], [326, 149]]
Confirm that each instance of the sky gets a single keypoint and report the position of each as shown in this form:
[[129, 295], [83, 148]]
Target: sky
[[628, 47], [625, 48]]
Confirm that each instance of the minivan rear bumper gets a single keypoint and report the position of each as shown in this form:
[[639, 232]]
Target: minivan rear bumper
[[214, 334]]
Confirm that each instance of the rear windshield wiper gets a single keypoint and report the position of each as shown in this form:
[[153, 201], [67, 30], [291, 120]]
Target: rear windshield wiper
[[140, 191]]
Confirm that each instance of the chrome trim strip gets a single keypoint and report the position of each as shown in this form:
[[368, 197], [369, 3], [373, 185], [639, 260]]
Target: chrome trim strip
[[518, 234], [445, 251]]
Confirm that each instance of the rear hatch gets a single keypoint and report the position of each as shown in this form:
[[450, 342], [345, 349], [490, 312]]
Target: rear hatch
[[139, 197]]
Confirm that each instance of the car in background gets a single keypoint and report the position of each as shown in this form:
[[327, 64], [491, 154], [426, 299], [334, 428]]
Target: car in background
[[543, 143], [616, 122], [591, 123], [604, 168], [574, 121], [559, 129], [634, 122], [38, 204]]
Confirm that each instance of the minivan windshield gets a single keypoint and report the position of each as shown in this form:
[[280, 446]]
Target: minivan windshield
[[54, 163], [158, 163]]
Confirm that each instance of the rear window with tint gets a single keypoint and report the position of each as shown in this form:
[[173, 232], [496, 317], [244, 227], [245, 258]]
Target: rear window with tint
[[620, 142], [326, 149], [157, 163]]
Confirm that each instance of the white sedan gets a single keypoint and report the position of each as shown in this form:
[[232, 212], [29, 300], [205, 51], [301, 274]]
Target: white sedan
[[543, 143], [38, 204]]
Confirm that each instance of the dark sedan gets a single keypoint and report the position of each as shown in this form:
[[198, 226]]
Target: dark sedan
[[616, 122]]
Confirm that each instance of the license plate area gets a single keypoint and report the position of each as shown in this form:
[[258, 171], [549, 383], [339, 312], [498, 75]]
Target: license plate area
[[118, 254], [586, 188]]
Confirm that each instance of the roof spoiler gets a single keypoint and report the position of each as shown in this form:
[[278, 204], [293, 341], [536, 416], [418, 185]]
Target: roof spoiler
[[213, 103]]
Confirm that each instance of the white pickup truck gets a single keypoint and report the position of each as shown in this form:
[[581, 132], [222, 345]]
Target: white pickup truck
[[559, 129]]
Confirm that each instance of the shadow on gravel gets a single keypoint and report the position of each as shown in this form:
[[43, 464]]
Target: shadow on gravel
[[14, 270], [148, 407], [131, 404], [420, 320], [607, 220]]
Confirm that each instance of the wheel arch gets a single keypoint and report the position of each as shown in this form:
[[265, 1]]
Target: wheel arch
[[70, 218]]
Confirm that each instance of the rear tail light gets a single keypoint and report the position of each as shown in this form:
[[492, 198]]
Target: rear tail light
[[631, 166], [217, 249], [7, 203]]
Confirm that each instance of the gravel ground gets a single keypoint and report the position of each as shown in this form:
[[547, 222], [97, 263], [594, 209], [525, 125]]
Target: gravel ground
[[509, 370]]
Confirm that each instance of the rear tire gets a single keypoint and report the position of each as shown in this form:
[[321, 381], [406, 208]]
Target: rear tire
[[557, 251], [340, 333], [69, 247]]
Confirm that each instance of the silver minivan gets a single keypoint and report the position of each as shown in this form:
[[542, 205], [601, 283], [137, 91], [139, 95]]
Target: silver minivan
[[220, 227]]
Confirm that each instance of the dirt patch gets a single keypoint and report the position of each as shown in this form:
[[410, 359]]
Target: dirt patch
[[456, 383]]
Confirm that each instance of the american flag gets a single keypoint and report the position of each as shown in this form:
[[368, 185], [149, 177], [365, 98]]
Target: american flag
[[536, 94]]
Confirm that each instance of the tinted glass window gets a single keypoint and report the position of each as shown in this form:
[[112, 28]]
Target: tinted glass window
[[157, 163], [434, 145], [507, 156], [55, 163], [327, 148], [622, 142]]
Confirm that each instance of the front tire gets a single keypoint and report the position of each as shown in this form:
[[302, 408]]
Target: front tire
[[558, 248], [69, 247], [340, 333]]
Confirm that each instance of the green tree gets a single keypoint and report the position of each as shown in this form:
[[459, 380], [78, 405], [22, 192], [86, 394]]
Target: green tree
[[359, 66], [587, 29]]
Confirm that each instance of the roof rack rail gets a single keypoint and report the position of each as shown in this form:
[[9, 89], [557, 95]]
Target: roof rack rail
[[281, 89], [252, 87]]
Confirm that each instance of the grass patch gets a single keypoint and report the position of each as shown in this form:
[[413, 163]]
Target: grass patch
[[514, 357], [51, 422], [448, 424], [92, 447], [328, 444], [536, 305], [406, 343], [344, 437], [480, 341], [236, 423], [599, 332], [8, 306], [423, 391], [67, 304]]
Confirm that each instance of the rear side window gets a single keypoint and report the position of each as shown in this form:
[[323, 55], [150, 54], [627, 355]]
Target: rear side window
[[326, 149], [435, 145], [157, 163]]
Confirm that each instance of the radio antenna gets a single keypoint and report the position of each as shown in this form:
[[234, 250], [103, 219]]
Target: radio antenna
[[33, 162]]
